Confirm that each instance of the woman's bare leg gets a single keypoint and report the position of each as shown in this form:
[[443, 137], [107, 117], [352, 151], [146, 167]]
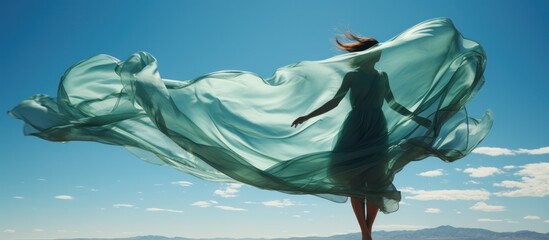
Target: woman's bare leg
[[371, 211], [359, 209]]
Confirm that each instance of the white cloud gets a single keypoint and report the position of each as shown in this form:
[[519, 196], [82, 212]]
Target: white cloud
[[182, 183], [472, 182], [546, 221], [432, 210], [482, 206], [205, 204], [202, 204], [278, 203], [432, 173], [493, 151], [489, 220], [496, 151], [534, 182], [227, 208], [230, 190], [64, 197], [530, 217], [9, 231], [537, 151], [122, 205], [509, 167], [513, 222], [447, 195], [38, 230], [482, 172], [18, 197], [162, 210]]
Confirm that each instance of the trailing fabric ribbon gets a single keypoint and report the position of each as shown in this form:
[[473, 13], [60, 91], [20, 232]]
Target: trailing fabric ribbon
[[235, 126]]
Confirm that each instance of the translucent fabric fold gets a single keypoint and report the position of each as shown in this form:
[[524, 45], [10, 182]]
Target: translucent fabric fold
[[232, 126]]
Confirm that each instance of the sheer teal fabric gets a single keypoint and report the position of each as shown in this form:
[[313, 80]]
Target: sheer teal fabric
[[235, 126]]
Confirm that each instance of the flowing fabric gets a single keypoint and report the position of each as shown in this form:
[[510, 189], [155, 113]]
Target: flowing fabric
[[232, 126]]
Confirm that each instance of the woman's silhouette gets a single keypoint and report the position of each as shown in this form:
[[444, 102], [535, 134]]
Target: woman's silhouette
[[232, 126], [365, 127]]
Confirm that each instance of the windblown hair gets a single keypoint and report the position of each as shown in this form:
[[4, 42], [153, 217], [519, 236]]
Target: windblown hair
[[360, 44]]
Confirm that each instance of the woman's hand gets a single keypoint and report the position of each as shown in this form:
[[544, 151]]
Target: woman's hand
[[422, 121], [299, 120]]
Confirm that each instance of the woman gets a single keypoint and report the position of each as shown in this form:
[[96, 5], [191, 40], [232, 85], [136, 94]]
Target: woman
[[365, 126], [232, 126]]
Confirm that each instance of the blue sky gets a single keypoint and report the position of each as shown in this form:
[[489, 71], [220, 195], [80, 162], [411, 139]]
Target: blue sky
[[81, 189]]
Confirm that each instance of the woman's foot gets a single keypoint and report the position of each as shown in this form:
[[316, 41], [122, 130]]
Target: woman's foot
[[367, 235]]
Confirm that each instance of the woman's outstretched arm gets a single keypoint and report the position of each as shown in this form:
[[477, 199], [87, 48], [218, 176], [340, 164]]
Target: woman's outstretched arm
[[326, 107], [393, 104]]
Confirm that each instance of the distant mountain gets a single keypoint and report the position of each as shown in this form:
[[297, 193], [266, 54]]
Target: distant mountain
[[452, 233], [439, 233]]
